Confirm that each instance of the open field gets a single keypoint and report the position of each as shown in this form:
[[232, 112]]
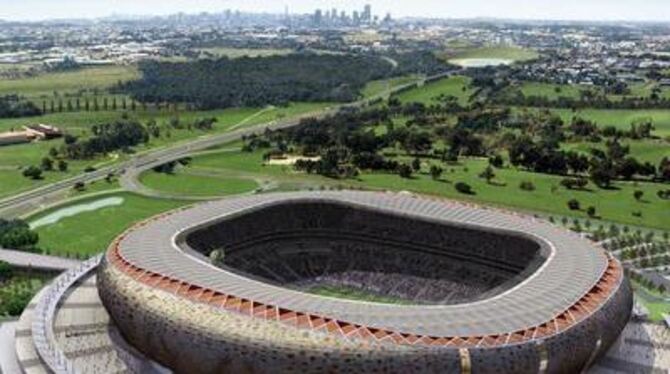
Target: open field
[[344, 292], [555, 91], [620, 118], [490, 55], [91, 232], [244, 52], [643, 150], [181, 183], [457, 86], [14, 157], [380, 86], [616, 204], [84, 80], [507, 53], [551, 91]]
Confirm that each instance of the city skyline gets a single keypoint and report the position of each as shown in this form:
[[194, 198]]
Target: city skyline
[[596, 10]]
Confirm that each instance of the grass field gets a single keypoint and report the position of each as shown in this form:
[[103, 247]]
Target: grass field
[[91, 232], [380, 86], [14, 157], [502, 54], [550, 91], [617, 204], [71, 82], [245, 52], [621, 118], [555, 91], [344, 292], [427, 94], [646, 151], [186, 184]]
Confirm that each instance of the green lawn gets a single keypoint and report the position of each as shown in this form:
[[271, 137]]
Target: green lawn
[[380, 86], [89, 233], [503, 53], [245, 52], [85, 80], [185, 184], [555, 91], [550, 91], [643, 150], [457, 86], [616, 204], [621, 118], [14, 157]]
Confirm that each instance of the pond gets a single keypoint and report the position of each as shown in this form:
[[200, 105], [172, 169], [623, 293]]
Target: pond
[[73, 210], [481, 62]]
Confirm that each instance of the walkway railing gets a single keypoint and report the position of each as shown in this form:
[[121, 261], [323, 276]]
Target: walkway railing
[[44, 314]]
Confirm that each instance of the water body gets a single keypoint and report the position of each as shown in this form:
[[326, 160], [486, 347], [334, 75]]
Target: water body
[[73, 210], [481, 62]]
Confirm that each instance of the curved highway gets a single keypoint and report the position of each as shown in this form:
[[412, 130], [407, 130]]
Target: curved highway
[[29, 201]]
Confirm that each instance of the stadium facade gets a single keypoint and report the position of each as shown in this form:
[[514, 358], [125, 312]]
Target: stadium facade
[[478, 290]]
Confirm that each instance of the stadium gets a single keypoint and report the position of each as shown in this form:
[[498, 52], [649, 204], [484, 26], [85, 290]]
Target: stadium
[[351, 281]]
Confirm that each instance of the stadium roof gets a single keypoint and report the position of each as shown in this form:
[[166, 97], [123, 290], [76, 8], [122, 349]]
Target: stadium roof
[[573, 266]]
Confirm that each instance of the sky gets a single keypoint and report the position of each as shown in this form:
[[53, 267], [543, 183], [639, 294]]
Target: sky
[[631, 10]]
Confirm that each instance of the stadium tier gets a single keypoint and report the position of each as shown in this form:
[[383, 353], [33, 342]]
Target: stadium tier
[[442, 287]]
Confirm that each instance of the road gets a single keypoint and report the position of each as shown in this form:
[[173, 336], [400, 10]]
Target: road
[[36, 261], [29, 201], [8, 361]]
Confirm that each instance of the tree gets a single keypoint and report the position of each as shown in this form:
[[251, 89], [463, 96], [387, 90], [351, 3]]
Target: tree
[[17, 234], [217, 257], [6, 270], [463, 188], [79, 186], [574, 183], [32, 172], [416, 164], [527, 186], [638, 194], [405, 171], [496, 161], [47, 164], [573, 204], [62, 166], [488, 174], [436, 172], [591, 211]]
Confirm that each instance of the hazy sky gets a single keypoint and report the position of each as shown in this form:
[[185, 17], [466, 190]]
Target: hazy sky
[[658, 10]]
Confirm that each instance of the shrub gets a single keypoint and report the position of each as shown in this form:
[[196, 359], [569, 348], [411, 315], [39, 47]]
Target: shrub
[[496, 161], [573, 204], [436, 172], [638, 195], [527, 186], [33, 172], [464, 188], [591, 211], [574, 183], [405, 171]]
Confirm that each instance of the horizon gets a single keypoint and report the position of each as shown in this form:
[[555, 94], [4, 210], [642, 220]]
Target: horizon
[[513, 10]]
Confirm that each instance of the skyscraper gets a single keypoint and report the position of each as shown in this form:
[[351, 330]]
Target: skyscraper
[[367, 13], [318, 17]]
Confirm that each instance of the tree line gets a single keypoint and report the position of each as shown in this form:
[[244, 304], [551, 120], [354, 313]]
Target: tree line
[[11, 106]]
